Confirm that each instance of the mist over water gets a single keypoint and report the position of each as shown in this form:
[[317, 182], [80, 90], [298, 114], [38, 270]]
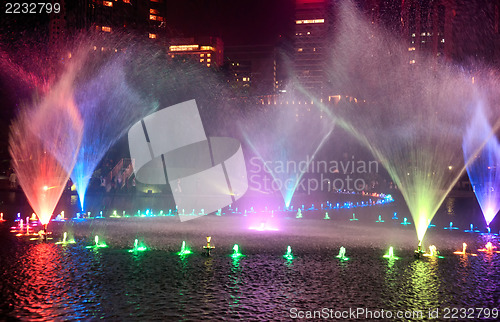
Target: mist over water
[[482, 167], [43, 143], [286, 135], [410, 114], [109, 106]]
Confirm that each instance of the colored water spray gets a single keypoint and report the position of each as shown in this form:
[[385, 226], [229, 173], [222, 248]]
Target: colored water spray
[[353, 217], [98, 243], [390, 254], [489, 248], [65, 240], [341, 255], [405, 222], [236, 252], [451, 227], [379, 219], [433, 252], [288, 255], [184, 249], [138, 247]]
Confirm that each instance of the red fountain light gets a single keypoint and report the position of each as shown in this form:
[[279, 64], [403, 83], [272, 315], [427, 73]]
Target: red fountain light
[[44, 142]]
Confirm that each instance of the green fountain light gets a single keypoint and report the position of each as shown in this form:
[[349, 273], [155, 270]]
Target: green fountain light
[[236, 252], [97, 243], [184, 249], [137, 247], [289, 254], [341, 254], [410, 117], [390, 254]]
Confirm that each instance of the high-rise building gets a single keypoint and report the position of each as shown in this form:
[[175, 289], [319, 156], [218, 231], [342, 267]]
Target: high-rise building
[[146, 16], [451, 30], [208, 51], [253, 69], [313, 19]]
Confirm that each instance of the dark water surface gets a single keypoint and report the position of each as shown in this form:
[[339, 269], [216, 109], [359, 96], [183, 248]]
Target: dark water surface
[[43, 281]]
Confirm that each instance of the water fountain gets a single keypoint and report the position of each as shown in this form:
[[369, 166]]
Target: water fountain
[[65, 240], [326, 216], [185, 250], [451, 227], [208, 247], [341, 254], [401, 111], [288, 255], [433, 252], [489, 248], [236, 252], [44, 140], [405, 222], [379, 219], [138, 247], [482, 168], [283, 144], [353, 217], [97, 243], [390, 254]]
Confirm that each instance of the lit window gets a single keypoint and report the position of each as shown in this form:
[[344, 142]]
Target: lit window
[[126, 1], [207, 48], [208, 55], [202, 60], [411, 49], [244, 79], [442, 40], [107, 3], [152, 36], [208, 65], [202, 55], [300, 49], [157, 18], [412, 61], [106, 29], [183, 47], [308, 32], [299, 22], [422, 34], [209, 60], [95, 47], [413, 35], [158, 1], [154, 11]]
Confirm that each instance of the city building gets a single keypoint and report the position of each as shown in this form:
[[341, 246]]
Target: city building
[[451, 30], [208, 51], [313, 21], [253, 69], [145, 16]]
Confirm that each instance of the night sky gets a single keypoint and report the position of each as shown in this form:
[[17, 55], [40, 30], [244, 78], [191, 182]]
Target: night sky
[[239, 22]]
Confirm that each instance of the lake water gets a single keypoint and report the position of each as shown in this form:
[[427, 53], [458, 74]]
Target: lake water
[[44, 281]]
